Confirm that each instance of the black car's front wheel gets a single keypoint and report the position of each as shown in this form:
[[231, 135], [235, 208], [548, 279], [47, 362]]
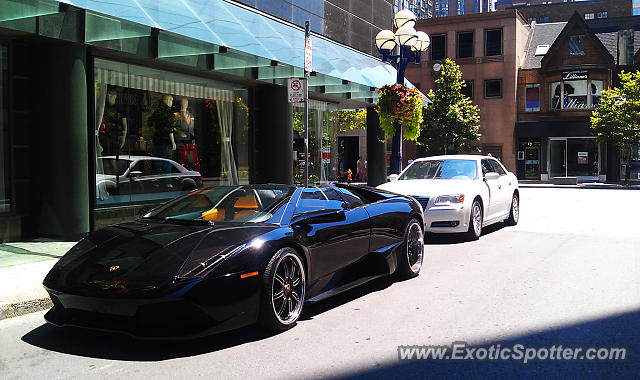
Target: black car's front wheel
[[412, 252], [283, 290]]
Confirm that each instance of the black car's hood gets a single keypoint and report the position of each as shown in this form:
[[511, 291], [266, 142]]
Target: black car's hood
[[145, 256]]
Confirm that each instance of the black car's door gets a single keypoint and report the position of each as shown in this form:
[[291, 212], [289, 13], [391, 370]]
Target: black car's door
[[334, 234]]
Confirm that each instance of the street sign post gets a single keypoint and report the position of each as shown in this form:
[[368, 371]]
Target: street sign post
[[307, 69], [295, 89]]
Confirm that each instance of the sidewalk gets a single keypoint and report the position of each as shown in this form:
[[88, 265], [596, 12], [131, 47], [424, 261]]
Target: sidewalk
[[23, 266]]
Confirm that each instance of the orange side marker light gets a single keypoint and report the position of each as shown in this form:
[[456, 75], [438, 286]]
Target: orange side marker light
[[250, 274]]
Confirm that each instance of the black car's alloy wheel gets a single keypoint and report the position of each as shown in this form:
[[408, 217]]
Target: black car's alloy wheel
[[412, 254], [283, 290]]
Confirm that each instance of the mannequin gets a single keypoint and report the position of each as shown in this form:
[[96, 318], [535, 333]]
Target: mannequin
[[113, 129], [187, 151], [162, 120]]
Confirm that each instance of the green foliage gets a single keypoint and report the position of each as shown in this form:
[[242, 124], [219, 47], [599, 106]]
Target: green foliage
[[617, 117], [451, 120], [401, 104], [350, 120]]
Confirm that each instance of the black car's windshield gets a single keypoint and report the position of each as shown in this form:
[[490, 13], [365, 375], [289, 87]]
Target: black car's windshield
[[241, 204], [441, 169], [112, 166]]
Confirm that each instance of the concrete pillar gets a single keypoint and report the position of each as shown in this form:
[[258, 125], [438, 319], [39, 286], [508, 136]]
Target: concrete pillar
[[272, 136], [60, 100], [376, 150]]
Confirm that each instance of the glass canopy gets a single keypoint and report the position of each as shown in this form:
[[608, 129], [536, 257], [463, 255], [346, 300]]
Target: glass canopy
[[232, 26]]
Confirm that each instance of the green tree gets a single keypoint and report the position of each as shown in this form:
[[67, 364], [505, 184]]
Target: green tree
[[451, 121], [617, 118]]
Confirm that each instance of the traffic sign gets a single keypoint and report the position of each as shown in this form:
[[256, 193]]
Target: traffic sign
[[307, 55], [295, 89]]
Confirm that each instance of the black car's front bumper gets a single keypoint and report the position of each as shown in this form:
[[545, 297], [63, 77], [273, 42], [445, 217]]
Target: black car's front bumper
[[214, 306]]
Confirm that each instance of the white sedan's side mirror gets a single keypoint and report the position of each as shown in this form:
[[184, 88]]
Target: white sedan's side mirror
[[392, 177], [491, 176]]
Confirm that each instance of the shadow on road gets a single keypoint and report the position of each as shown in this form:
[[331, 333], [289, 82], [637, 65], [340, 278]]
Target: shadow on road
[[114, 346], [438, 239], [622, 330]]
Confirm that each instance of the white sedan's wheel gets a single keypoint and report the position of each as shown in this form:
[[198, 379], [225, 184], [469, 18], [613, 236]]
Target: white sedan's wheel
[[475, 221]]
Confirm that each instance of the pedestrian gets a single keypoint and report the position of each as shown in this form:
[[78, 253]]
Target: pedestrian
[[359, 166], [364, 171]]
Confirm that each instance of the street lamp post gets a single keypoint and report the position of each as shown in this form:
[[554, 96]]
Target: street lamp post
[[410, 46]]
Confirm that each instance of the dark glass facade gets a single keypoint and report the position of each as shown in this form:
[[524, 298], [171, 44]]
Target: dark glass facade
[[351, 22]]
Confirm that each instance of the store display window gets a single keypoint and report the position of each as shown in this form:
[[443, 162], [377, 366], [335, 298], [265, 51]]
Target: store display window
[[159, 134]]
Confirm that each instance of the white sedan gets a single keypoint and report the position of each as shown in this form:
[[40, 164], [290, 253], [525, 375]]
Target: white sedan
[[460, 193]]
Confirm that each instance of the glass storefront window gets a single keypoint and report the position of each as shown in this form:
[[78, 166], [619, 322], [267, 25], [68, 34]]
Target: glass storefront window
[[159, 134], [574, 157], [5, 200], [320, 129], [556, 95], [596, 92], [576, 94]]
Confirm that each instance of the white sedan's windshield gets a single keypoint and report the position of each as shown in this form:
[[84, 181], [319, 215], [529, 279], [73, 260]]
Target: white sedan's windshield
[[441, 169]]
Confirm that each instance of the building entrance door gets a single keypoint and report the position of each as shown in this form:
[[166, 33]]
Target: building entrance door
[[532, 163], [558, 158]]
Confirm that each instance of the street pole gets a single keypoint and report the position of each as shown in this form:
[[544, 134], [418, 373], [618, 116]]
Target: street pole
[[306, 109], [395, 163]]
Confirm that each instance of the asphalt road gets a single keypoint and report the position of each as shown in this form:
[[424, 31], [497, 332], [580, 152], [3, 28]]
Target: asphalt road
[[568, 274]]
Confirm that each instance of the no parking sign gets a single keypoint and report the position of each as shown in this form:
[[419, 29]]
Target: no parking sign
[[295, 89]]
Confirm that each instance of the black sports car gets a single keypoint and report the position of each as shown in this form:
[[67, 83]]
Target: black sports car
[[224, 257]]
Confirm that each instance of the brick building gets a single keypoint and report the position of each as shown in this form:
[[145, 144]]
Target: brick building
[[543, 11], [566, 68], [490, 48]]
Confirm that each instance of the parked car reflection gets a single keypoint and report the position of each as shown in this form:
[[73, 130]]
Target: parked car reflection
[[144, 174]]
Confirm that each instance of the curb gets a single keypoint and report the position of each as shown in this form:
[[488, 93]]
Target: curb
[[19, 308]]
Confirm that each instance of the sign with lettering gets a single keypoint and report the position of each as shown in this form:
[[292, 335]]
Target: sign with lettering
[[574, 74], [295, 90]]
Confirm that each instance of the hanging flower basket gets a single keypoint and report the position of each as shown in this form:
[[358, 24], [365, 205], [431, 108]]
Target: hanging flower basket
[[401, 104]]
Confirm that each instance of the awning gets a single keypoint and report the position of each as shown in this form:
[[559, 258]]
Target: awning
[[244, 42]]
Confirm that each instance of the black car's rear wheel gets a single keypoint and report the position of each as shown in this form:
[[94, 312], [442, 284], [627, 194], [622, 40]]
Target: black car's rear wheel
[[412, 252], [283, 290]]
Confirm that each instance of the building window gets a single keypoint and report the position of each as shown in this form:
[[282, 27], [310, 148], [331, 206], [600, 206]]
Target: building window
[[460, 7], [5, 169], [542, 20], [465, 44], [596, 92], [602, 14], [493, 88], [493, 42], [576, 45], [576, 94], [589, 16], [467, 89], [532, 97], [439, 46]]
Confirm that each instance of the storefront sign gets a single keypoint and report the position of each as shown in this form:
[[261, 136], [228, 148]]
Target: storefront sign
[[295, 89], [583, 157], [574, 74]]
